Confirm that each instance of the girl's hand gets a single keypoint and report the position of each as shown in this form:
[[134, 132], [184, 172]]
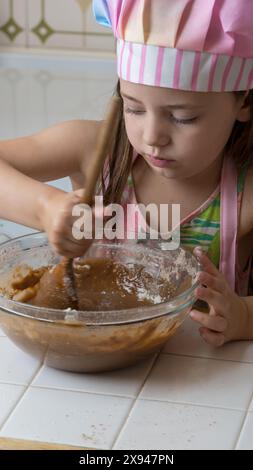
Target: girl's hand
[[227, 317], [57, 221]]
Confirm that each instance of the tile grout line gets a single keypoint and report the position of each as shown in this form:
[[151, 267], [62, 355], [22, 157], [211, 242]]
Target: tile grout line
[[240, 431], [87, 392], [75, 390], [16, 384], [243, 423], [185, 403], [27, 386], [206, 357], [131, 397], [136, 398], [27, 24]]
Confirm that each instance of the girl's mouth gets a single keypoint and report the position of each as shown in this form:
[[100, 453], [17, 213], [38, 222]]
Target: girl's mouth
[[160, 162]]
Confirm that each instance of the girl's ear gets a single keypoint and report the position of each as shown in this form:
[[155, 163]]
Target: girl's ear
[[244, 112]]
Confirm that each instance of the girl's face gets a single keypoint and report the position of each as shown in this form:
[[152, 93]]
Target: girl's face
[[179, 133]]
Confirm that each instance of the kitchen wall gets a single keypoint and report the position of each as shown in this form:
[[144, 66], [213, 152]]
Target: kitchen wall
[[45, 24]]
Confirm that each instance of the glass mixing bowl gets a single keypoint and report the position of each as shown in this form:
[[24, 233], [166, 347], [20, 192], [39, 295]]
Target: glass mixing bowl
[[86, 341]]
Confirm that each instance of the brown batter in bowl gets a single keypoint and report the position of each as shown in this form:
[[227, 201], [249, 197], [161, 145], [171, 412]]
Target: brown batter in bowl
[[132, 298]]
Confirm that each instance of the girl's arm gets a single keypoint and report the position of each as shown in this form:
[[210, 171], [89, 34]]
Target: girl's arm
[[22, 197], [27, 162]]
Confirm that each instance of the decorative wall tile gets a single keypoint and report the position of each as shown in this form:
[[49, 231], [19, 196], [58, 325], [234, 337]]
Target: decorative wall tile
[[47, 19], [38, 90], [13, 21], [67, 24]]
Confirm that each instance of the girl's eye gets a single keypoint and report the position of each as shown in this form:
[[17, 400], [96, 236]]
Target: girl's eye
[[182, 121], [173, 118], [133, 111]]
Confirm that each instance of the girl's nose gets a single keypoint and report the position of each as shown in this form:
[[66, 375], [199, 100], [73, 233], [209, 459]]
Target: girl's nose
[[155, 133]]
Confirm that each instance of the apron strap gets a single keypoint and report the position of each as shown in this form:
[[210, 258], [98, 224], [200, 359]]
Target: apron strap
[[229, 220]]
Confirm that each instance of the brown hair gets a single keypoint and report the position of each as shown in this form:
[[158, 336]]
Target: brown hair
[[240, 143], [114, 178]]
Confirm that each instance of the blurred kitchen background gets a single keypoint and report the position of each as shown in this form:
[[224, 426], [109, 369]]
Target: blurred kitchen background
[[56, 64]]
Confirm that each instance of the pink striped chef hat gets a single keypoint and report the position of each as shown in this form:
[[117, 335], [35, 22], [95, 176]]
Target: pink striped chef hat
[[196, 45]]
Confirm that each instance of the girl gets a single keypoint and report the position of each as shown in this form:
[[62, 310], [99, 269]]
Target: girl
[[185, 136]]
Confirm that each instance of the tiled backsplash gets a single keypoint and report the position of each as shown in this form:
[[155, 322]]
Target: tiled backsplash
[[66, 24]]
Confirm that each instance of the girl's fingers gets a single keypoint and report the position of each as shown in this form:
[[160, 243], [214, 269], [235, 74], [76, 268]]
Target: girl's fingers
[[211, 337], [211, 281], [207, 265], [216, 323], [70, 249], [212, 297]]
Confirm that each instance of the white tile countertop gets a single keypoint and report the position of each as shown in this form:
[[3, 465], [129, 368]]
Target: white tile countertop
[[190, 396]]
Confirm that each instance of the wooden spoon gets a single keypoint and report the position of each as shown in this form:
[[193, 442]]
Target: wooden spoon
[[102, 150]]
